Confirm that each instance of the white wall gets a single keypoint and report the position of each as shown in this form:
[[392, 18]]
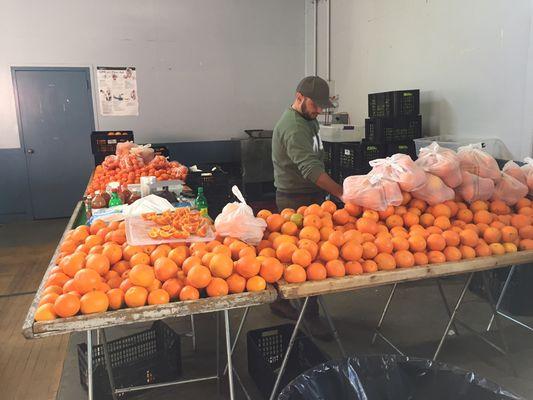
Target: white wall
[[472, 59], [207, 69]]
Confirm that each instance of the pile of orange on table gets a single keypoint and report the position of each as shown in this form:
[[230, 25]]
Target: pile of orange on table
[[98, 271], [320, 241]]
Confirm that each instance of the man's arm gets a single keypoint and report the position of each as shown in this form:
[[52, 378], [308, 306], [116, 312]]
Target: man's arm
[[324, 182]]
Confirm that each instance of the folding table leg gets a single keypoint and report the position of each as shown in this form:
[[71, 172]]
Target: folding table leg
[[445, 301], [219, 369], [334, 331], [504, 289], [193, 333], [89, 365], [452, 316], [241, 324], [108, 365], [385, 309], [228, 354], [289, 348]]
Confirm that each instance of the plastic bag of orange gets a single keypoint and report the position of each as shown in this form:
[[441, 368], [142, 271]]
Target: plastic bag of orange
[[402, 169], [475, 188], [237, 220], [513, 169], [123, 148], [372, 191], [528, 170], [441, 162], [144, 151], [509, 190], [434, 191], [477, 162]]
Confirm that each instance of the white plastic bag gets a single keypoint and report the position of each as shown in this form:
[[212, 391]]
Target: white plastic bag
[[441, 162], [434, 191], [475, 188], [513, 169], [509, 190], [528, 170], [144, 151], [402, 169], [371, 191], [237, 220], [477, 162], [150, 203]]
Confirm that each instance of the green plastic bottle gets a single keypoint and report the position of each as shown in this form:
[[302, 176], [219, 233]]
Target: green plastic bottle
[[115, 199], [201, 202]]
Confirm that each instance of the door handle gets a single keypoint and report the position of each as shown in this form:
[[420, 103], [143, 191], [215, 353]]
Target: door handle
[[30, 151]]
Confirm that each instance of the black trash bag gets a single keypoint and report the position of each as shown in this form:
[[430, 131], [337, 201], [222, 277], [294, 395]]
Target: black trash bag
[[391, 377]]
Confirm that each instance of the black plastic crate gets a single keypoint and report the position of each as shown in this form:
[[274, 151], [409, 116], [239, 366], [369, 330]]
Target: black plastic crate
[[331, 158], [398, 129], [394, 104], [160, 150], [402, 148], [356, 155], [150, 356], [346, 172], [105, 142], [266, 348]]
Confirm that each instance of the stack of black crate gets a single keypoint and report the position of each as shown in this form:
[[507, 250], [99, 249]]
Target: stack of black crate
[[394, 121]]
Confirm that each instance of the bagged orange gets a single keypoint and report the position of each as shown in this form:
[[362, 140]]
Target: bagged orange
[[477, 162], [434, 191], [441, 162], [475, 188], [528, 170], [509, 190], [513, 169], [402, 169], [372, 191]]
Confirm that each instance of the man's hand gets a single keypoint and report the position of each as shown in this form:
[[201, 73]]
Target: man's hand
[[324, 182]]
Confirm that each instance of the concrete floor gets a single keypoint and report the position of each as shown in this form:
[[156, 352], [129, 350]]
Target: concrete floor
[[415, 323]]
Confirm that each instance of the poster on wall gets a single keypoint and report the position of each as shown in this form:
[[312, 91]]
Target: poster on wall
[[117, 91]]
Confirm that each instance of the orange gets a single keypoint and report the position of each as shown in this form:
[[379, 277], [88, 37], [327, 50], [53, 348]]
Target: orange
[[404, 259], [421, 258], [336, 238], [286, 213], [271, 270], [497, 249], [217, 287], [492, 235], [526, 211], [49, 298], [267, 252], [96, 226], [53, 289], [173, 287], [191, 262], [68, 246], [442, 222], [384, 245], [274, 222], [264, 214], [326, 231], [98, 262], [142, 275], [400, 243], [353, 268], [498, 207], [221, 266], [417, 243], [255, 284], [394, 220], [113, 252], [250, 266], [206, 259], [406, 198], [469, 238], [212, 244], [263, 244], [414, 211], [86, 280], [436, 242], [179, 255], [352, 251], [328, 252], [479, 205], [121, 267], [199, 277], [510, 247], [93, 240], [118, 236], [45, 312], [465, 215], [436, 257], [482, 216], [284, 252], [467, 252], [116, 298], [399, 231], [294, 274], [67, 305], [316, 272], [353, 209], [125, 285], [247, 251], [301, 257], [367, 225], [483, 250], [310, 246], [383, 215], [353, 234], [417, 203], [196, 246], [452, 238], [165, 268], [313, 209], [452, 253], [80, 234], [442, 210], [139, 258], [328, 206], [526, 244], [520, 220], [136, 296], [159, 252], [289, 228], [369, 266], [236, 246], [114, 282], [341, 217], [427, 220], [310, 232], [312, 220], [283, 239], [237, 284], [400, 210], [385, 261], [454, 207], [335, 268], [524, 202], [223, 249], [370, 250], [94, 302], [72, 263], [525, 232], [410, 219], [158, 296], [189, 293]]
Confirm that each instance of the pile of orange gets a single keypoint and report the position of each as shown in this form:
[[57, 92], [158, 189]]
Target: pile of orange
[[98, 271], [320, 241]]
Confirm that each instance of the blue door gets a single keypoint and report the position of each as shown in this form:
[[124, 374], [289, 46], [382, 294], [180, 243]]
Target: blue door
[[55, 120]]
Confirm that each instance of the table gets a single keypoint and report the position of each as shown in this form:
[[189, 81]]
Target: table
[[355, 282], [98, 322]]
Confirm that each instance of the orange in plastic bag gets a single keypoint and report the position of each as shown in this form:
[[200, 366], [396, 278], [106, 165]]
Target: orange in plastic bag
[[513, 169], [509, 190], [402, 169], [475, 188], [477, 162], [372, 191], [123, 148], [528, 170], [441, 162], [434, 191]]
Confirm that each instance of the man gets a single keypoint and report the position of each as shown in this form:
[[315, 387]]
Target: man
[[299, 173]]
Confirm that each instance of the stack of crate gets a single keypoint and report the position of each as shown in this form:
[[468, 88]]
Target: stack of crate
[[394, 121]]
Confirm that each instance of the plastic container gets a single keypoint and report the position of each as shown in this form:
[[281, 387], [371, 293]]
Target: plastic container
[[394, 104], [147, 357], [397, 129], [337, 133], [355, 156], [495, 147], [266, 348]]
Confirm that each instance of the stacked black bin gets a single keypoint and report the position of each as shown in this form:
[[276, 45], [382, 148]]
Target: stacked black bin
[[394, 121]]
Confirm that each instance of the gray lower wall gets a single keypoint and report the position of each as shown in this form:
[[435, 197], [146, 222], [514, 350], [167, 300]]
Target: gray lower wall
[[14, 192]]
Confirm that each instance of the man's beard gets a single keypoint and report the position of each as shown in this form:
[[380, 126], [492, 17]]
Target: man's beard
[[306, 113]]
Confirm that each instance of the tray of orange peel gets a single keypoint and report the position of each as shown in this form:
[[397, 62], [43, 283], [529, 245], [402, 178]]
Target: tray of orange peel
[[176, 226]]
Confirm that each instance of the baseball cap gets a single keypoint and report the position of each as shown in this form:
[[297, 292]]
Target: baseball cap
[[316, 89]]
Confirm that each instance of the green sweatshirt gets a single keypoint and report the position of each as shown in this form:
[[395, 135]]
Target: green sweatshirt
[[296, 154]]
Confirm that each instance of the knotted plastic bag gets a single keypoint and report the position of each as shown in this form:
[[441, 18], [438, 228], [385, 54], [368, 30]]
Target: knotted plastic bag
[[477, 162], [434, 191], [123, 148], [509, 190], [237, 220], [441, 162], [528, 170], [144, 151], [475, 188], [513, 169], [402, 169], [372, 191]]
